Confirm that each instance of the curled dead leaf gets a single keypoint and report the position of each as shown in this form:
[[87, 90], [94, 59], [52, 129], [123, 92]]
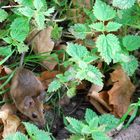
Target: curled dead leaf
[[98, 100], [43, 43], [117, 99], [121, 92], [9, 119]]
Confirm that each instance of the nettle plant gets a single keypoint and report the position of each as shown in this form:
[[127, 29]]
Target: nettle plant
[[92, 127], [108, 48], [33, 133], [24, 18]]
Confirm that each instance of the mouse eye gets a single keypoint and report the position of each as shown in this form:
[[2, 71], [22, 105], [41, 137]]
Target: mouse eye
[[34, 115], [43, 111]]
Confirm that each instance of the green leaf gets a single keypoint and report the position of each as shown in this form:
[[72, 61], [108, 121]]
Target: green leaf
[[56, 32], [76, 137], [102, 11], [3, 15], [89, 115], [93, 124], [123, 4], [79, 31], [113, 26], [71, 92], [26, 11], [40, 20], [86, 130], [22, 48], [109, 121], [89, 59], [130, 66], [54, 86], [49, 11], [27, 3], [5, 51], [38, 4], [75, 124], [16, 136], [91, 74], [76, 51], [3, 33], [19, 29], [131, 42], [98, 135], [108, 46], [99, 26], [35, 133]]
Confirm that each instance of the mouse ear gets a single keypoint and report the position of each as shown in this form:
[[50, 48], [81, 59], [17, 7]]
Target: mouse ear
[[42, 96], [28, 102]]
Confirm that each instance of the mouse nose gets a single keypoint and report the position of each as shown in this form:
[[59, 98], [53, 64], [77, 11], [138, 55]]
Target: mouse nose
[[42, 124]]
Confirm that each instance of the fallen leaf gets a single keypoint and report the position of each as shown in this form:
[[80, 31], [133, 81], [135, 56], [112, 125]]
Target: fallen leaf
[[121, 92], [97, 99], [115, 100], [43, 43], [9, 119]]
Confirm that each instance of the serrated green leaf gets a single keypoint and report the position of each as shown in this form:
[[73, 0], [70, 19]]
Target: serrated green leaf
[[56, 32], [113, 26], [98, 135], [16, 136], [108, 46], [76, 51], [94, 75], [5, 51], [130, 66], [3, 15], [76, 137], [131, 42], [25, 2], [102, 11], [22, 48], [89, 59], [129, 17], [109, 121], [79, 31], [26, 11], [54, 86], [19, 29], [123, 4], [35, 133], [86, 130], [49, 11], [42, 135], [99, 26], [40, 20], [93, 124], [75, 124], [89, 115], [71, 92], [38, 4]]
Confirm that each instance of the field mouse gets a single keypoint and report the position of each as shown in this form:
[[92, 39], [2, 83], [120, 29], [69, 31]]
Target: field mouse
[[28, 93]]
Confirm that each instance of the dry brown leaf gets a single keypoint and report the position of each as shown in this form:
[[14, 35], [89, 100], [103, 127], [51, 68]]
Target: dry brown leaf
[[121, 92], [43, 43], [117, 99], [97, 99], [10, 121]]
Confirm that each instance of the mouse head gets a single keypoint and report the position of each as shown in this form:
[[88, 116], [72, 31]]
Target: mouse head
[[33, 108]]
